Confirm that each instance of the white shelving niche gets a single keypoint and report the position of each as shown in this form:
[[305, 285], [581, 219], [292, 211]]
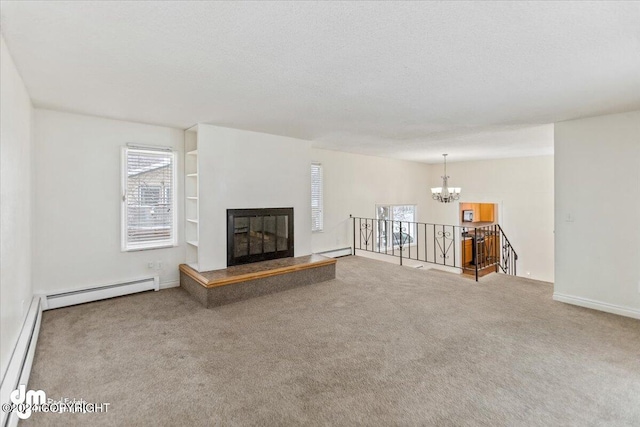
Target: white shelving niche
[[191, 191]]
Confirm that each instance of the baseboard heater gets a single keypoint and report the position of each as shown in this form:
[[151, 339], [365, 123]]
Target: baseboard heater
[[80, 296], [19, 367], [336, 253]]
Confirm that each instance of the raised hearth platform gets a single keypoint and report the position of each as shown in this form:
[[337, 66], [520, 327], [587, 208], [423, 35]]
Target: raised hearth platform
[[219, 287]]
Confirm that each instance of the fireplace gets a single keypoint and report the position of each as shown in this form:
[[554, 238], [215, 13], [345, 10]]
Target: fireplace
[[255, 235]]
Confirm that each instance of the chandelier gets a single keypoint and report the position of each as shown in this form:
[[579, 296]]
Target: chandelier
[[445, 194]]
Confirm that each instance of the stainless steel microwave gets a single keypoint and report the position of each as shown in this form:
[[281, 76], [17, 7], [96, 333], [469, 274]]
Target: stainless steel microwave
[[467, 216]]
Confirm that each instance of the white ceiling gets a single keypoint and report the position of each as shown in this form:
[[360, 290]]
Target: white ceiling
[[406, 80]]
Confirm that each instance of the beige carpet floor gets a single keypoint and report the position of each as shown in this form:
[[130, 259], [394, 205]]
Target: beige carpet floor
[[380, 345]]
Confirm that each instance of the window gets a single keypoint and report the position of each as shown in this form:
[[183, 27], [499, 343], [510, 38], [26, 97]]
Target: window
[[390, 217], [149, 215], [317, 217]]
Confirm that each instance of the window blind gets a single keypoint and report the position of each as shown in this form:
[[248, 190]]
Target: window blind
[[316, 197], [149, 214]]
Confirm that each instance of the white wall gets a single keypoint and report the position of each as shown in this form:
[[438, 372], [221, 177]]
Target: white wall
[[354, 184], [242, 169], [15, 204], [523, 187], [78, 201], [597, 167]]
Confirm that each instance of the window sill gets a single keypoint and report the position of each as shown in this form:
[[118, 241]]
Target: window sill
[[149, 248]]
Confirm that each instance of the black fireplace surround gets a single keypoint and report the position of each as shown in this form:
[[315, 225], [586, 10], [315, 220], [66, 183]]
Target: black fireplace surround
[[255, 235]]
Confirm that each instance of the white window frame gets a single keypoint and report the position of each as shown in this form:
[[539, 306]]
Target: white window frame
[[127, 246], [319, 229]]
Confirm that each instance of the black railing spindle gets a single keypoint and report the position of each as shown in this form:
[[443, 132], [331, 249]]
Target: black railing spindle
[[491, 247]]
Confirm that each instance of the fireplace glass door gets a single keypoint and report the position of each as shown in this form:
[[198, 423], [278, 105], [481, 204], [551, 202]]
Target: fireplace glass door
[[259, 234]]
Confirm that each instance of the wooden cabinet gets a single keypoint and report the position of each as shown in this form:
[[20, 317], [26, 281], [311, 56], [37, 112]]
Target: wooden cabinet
[[487, 212], [491, 250], [488, 251], [467, 252], [482, 212]]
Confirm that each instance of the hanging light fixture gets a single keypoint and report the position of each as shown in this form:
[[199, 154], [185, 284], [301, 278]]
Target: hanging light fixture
[[445, 194]]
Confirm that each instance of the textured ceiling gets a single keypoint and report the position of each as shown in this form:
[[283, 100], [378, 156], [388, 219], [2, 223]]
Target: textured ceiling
[[406, 80]]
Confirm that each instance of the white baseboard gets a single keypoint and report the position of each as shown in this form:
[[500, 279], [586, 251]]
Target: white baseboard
[[335, 253], [172, 284], [19, 367], [597, 305]]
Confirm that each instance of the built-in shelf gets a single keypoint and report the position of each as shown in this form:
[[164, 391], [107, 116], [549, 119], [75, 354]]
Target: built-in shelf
[[191, 189]]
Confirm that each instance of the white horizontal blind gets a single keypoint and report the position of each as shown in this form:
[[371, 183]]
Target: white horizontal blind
[[149, 214], [317, 218]]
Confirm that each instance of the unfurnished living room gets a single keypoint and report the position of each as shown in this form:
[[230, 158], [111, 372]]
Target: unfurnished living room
[[320, 213]]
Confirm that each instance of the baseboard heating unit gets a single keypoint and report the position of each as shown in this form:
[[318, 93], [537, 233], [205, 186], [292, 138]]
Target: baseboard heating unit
[[79, 296], [336, 253], [19, 367]]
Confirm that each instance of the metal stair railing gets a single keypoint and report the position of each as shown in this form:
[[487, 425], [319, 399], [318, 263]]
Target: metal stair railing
[[438, 244]]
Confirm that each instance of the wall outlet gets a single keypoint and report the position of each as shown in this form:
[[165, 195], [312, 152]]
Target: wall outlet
[[151, 265], [160, 265]]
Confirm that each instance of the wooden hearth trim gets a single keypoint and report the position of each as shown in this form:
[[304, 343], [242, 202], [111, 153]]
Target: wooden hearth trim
[[194, 274], [315, 262]]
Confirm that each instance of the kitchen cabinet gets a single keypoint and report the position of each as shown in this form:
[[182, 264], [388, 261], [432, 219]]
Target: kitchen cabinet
[[487, 212], [487, 248], [467, 252], [482, 212], [491, 250]]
